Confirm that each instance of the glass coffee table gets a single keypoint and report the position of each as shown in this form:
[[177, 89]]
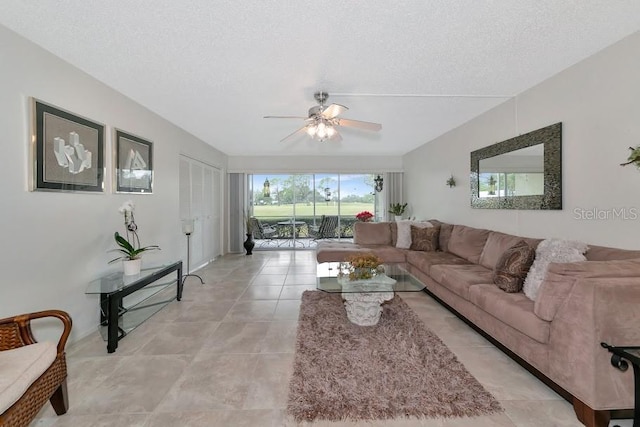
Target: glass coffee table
[[363, 299]]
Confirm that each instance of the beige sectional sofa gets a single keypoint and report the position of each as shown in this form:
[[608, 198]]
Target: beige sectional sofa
[[557, 336]]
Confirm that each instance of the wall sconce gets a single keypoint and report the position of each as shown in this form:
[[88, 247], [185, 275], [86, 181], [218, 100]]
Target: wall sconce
[[378, 183], [327, 194], [266, 189], [451, 182], [634, 157]]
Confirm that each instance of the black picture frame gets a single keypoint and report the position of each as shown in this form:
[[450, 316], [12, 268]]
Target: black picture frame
[[67, 151], [133, 163]]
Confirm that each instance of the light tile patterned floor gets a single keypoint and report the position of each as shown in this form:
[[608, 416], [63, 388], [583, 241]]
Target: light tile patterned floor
[[223, 356]]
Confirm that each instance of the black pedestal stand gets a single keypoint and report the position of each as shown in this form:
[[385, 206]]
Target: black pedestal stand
[[184, 277]]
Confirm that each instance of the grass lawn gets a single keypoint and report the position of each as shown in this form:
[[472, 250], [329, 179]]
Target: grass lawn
[[302, 210]]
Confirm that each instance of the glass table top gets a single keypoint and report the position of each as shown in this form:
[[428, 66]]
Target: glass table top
[[117, 280], [401, 280]]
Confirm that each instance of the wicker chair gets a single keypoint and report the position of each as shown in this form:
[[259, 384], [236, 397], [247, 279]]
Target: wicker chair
[[16, 332]]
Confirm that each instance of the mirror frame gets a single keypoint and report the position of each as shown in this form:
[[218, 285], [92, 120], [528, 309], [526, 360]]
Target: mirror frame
[[551, 137]]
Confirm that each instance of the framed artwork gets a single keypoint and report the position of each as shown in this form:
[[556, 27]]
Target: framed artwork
[[67, 151], [133, 163]]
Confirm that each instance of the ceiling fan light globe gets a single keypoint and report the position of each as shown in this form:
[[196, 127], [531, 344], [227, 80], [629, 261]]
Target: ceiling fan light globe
[[311, 130], [330, 131], [322, 130]]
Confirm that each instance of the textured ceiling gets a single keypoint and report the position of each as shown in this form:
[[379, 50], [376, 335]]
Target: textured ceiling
[[420, 68]]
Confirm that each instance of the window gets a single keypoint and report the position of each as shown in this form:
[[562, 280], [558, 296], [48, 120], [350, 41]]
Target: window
[[302, 200]]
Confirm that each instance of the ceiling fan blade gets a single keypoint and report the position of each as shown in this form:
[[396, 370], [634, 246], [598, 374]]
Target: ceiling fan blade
[[303, 129], [336, 137], [285, 117], [359, 124], [333, 110]]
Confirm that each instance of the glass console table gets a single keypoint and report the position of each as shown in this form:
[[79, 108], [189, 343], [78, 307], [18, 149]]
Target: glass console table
[[119, 316]]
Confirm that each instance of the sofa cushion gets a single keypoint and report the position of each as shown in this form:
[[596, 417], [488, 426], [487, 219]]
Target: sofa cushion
[[561, 278], [20, 367], [425, 260], [387, 253], [513, 266], [339, 251], [548, 251], [372, 233], [458, 278], [394, 232], [424, 239], [468, 242], [515, 310], [445, 234], [498, 243], [403, 240]]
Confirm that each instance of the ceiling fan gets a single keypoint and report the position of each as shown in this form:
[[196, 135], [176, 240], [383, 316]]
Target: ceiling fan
[[321, 122]]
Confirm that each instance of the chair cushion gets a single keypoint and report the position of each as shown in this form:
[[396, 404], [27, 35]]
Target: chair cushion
[[20, 367]]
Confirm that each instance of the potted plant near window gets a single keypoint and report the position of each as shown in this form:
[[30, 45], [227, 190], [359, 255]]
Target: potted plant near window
[[397, 209], [129, 247]]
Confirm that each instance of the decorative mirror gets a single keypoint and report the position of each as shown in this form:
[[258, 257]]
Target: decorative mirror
[[524, 172]]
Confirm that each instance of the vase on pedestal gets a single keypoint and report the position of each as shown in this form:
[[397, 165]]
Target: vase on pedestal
[[249, 244]]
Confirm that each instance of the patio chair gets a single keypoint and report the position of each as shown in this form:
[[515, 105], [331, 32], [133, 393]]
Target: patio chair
[[327, 229], [262, 231], [39, 369]]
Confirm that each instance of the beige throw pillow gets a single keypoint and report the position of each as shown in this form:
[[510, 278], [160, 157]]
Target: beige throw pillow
[[548, 251]]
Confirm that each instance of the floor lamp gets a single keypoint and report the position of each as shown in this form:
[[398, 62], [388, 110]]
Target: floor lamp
[[187, 229]]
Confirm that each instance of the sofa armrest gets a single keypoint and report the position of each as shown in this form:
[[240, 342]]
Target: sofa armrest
[[596, 310], [16, 331], [561, 277]]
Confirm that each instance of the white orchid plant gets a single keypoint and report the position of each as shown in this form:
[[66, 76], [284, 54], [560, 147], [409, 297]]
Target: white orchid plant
[[129, 247]]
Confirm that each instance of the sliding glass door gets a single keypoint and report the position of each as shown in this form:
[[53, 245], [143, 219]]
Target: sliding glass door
[[306, 208]]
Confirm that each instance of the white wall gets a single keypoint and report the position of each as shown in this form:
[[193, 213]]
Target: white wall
[[598, 103], [54, 243], [294, 164]]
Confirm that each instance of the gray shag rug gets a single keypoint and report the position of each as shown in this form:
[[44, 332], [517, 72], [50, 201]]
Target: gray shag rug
[[396, 369]]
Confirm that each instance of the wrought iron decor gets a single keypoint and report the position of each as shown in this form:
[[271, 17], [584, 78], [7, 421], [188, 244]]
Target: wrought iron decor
[[134, 163], [67, 152], [551, 138]]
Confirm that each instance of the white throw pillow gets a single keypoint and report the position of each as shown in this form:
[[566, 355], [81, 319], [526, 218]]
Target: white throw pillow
[[548, 251], [404, 232]]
